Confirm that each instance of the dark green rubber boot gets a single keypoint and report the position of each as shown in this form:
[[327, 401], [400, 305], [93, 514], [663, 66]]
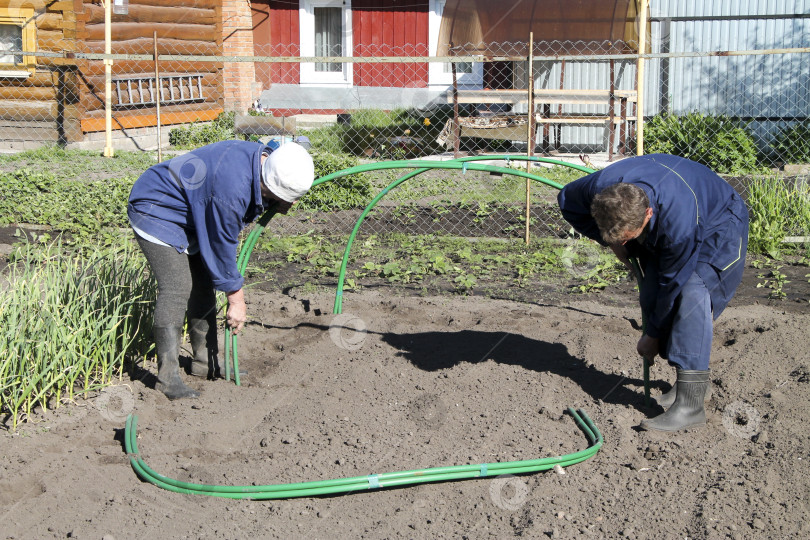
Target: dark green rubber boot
[[687, 410], [667, 399], [167, 342], [203, 337]]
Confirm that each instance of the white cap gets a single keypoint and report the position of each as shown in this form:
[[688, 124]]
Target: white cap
[[288, 172]]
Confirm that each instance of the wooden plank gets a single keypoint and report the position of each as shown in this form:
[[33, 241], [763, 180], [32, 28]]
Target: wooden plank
[[63, 5], [33, 93], [165, 46], [581, 119], [550, 96], [284, 38], [28, 110], [39, 78], [147, 67], [94, 101], [128, 31], [121, 121], [94, 14], [50, 21], [194, 4]]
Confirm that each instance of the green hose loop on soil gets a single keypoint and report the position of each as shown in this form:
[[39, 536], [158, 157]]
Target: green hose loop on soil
[[362, 483]]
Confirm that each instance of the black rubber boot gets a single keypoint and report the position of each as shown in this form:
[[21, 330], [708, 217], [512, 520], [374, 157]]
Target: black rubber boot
[[687, 409], [203, 337], [667, 399], [167, 342]]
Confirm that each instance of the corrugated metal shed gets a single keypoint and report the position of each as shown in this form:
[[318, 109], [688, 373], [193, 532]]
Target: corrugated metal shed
[[767, 90]]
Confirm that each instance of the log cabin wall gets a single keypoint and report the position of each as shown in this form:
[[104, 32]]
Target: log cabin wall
[[39, 96], [192, 90]]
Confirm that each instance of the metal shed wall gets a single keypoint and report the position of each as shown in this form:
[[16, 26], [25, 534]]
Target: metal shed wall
[[769, 90]]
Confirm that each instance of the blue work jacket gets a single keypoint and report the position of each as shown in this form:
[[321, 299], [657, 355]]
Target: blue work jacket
[[699, 225], [210, 194]]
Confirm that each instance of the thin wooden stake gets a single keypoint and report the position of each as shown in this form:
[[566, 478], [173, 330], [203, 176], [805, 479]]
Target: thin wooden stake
[[642, 49], [530, 135], [157, 99]]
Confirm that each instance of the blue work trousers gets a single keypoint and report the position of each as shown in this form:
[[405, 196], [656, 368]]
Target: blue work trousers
[[687, 343]]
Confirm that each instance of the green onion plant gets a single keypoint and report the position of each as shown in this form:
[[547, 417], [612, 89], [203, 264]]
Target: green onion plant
[[69, 323]]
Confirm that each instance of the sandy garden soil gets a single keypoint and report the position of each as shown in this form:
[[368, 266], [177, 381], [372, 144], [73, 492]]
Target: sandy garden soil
[[439, 380]]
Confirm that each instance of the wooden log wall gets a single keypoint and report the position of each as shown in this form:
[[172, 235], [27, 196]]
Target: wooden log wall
[[64, 97], [184, 27], [44, 106]]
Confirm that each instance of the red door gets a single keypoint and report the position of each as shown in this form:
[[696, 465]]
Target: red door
[[390, 28], [276, 33]]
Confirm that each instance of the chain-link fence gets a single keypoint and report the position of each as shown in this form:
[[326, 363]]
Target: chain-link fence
[[360, 99]]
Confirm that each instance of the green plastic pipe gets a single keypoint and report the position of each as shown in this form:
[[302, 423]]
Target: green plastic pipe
[[645, 362], [241, 264], [362, 483], [465, 164], [422, 166]]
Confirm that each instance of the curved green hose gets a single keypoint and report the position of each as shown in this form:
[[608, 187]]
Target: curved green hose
[[361, 483], [241, 264], [422, 166], [338, 306]]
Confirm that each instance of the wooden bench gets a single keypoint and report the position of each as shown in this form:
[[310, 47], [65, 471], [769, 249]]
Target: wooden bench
[[616, 121]]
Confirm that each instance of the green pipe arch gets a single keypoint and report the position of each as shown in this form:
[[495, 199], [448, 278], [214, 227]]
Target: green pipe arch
[[465, 164], [420, 166]]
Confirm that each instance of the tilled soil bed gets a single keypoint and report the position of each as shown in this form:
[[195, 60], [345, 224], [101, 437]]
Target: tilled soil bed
[[439, 380]]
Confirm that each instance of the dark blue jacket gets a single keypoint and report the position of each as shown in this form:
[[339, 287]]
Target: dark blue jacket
[[699, 224], [211, 193]]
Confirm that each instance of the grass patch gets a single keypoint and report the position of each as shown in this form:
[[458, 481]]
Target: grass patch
[[441, 263], [777, 209], [76, 164], [84, 209]]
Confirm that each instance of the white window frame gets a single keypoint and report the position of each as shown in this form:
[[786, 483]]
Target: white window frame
[[306, 13], [437, 76], [23, 18]]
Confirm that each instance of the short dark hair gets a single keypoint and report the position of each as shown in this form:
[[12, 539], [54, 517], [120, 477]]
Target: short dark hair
[[617, 209]]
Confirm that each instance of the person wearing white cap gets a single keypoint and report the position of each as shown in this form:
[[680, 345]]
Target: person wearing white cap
[[187, 214]]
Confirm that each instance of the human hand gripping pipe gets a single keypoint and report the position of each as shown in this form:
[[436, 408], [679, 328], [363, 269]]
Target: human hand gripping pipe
[[241, 264]]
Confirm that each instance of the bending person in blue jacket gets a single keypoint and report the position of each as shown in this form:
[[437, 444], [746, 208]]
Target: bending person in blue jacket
[[689, 230], [187, 214]]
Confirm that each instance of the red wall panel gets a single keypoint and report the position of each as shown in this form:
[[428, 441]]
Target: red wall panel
[[276, 32], [384, 28]]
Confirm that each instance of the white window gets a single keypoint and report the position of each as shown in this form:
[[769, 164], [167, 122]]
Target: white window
[[326, 30], [17, 35], [468, 74], [10, 40]]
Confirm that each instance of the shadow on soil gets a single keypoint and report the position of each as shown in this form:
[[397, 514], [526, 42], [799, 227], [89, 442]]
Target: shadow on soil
[[432, 351]]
